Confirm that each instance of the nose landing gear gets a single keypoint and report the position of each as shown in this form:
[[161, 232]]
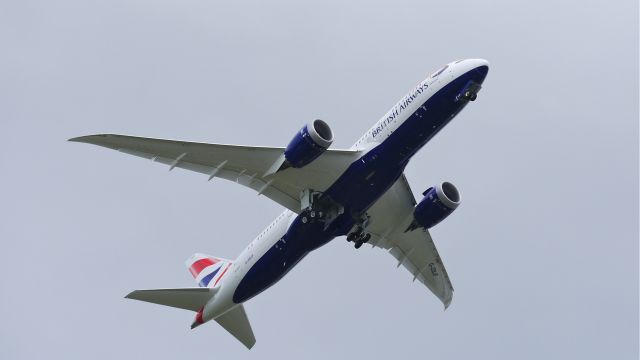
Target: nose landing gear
[[469, 92], [471, 96]]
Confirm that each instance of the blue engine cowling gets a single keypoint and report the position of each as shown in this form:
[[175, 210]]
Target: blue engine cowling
[[309, 143], [438, 202]]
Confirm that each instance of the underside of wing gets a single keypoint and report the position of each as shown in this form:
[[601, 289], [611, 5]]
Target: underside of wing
[[414, 250], [245, 165]]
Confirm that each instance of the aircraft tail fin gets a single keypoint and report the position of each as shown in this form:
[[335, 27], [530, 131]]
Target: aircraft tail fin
[[237, 324], [186, 298], [206, 269]]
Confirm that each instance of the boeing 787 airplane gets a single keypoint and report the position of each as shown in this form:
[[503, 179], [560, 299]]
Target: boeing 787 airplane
[[360, 192]]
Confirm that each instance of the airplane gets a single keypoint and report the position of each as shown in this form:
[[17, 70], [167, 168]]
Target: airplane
[[360, 193]]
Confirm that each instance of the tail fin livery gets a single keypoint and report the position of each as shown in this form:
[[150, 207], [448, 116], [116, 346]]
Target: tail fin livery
[[207, 270]]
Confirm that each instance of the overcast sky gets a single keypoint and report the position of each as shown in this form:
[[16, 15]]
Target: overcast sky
[[543, 252]]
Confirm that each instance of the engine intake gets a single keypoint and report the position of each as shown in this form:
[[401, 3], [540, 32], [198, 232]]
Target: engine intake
[[309, 143], [438, 202]]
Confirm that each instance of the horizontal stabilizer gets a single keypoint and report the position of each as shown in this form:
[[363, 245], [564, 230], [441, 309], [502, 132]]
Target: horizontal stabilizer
[[237, 324], [186, 298]]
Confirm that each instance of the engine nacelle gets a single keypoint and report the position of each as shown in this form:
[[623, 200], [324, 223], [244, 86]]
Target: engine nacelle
[[309, 143], [438, 202]]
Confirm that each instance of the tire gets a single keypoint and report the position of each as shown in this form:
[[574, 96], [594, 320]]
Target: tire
[[304, 220], [358, 244]]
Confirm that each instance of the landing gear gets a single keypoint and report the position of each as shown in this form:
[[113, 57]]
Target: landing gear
[[316, 208], [365, 239], [312, 216], [469, 92], [470, 95], [358, 237]]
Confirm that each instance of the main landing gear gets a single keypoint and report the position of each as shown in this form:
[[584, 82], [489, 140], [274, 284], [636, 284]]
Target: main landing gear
[[312, 215], [359, 237], [317, 208]]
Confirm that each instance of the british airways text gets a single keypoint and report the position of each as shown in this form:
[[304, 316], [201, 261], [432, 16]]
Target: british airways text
[[397, 110]]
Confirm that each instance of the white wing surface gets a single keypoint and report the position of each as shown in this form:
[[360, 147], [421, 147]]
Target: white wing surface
[[415, 250], [246, 165]]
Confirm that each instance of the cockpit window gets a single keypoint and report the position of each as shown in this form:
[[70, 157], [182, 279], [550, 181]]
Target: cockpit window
[[440, 71]]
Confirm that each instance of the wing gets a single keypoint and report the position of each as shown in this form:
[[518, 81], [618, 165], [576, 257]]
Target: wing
[[246, 165], [415, 250]]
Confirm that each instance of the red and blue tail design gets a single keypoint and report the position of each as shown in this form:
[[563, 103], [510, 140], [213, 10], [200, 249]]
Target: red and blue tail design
[[207, 270]]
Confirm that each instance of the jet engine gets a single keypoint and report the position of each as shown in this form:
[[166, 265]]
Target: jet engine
[[438, 202], [309, 143]]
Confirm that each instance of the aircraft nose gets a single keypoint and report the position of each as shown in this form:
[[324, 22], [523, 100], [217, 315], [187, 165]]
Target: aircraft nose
[[481, 68]]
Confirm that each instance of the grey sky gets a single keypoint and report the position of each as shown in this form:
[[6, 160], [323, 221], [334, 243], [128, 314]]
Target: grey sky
[[543, 252]]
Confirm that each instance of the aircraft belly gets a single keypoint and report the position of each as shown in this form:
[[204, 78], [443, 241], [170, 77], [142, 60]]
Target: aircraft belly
[[266, 271]]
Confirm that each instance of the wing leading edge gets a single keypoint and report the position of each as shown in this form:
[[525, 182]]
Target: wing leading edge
[[245, 165]]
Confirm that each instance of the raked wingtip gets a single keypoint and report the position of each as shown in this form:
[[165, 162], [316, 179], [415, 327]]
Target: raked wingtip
[[89, 139]]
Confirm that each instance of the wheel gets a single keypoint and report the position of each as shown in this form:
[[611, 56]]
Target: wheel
[[351, 237], [473, 97], [312, 214], [366, 238], [358, 244], [304, 220]]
